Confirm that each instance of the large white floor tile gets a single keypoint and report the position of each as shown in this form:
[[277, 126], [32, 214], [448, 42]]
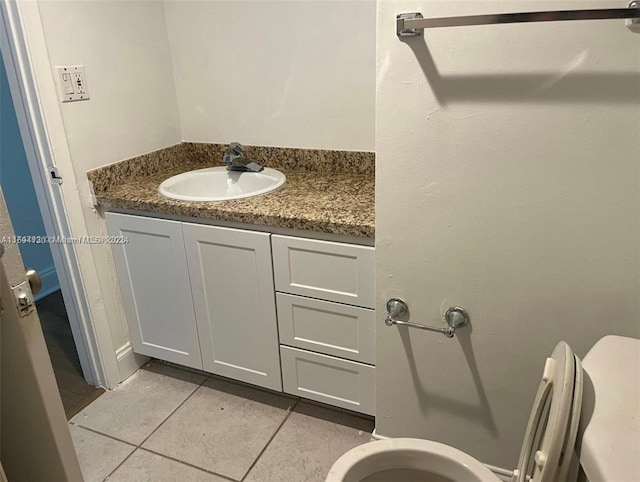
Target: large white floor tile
[[144, 466], [98, 455], [137, 406], [308, 444], [222, 427]]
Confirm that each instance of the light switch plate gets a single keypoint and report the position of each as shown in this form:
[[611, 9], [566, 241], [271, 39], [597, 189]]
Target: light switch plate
[[72, 83]]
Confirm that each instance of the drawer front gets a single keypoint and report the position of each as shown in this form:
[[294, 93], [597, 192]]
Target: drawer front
[[320, 269], [327, 379], [326, 327]]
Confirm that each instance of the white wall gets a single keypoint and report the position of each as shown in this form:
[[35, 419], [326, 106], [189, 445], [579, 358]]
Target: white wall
[[507, 183], [133, 109], [277, 73], [123, 47]]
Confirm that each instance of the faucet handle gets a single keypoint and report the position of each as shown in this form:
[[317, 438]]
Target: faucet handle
[[236, 148]]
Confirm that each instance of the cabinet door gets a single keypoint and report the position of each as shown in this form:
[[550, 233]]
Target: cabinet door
[[154, 282], [232, 283]]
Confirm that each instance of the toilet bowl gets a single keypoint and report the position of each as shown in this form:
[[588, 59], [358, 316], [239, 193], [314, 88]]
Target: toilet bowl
[[408, 460], [543, 458]]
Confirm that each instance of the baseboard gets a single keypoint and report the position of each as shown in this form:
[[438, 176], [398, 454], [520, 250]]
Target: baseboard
[[50, 283], [502, 474], [376, 436], [128, 361]]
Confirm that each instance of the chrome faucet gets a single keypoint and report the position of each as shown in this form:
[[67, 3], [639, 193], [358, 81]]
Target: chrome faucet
[[236, 159]]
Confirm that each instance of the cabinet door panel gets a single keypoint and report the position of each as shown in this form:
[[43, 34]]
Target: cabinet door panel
[[232, 283], [154, 282]]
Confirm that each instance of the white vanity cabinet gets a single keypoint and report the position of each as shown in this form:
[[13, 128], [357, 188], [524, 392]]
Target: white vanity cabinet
[[205, 297], [155, 287], [325, 295]]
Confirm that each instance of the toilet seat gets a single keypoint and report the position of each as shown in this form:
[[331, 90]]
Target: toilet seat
[[551, 431], [546, 454]]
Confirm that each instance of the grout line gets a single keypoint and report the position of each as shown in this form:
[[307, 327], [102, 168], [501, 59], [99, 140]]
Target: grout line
[[135, 447], [154, 430], [120, 464], [88, 429], [295, 404], [139, 446], [226, 477], [174, 411]]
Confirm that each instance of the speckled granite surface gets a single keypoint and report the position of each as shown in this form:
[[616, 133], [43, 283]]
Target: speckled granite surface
[[325, 191]]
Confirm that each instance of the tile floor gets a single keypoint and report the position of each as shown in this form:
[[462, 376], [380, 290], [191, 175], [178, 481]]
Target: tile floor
[[168, 424]]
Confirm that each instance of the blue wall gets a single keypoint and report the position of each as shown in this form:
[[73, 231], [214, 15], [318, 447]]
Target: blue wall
[[19, 193]]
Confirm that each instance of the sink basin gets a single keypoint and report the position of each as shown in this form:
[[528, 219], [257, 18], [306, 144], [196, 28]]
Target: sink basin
[[218, 184]]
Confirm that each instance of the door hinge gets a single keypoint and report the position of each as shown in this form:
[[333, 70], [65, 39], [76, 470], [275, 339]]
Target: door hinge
[[23, 298], [55, 175]]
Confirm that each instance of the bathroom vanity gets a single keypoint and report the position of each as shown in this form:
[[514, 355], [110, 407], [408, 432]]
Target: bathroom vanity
[[286, 309]]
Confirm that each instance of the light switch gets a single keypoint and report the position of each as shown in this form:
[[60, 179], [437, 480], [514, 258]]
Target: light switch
[[73, 83], [66, 84]]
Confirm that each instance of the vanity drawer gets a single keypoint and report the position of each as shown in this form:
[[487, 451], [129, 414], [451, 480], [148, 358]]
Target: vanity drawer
[[321, 269], [327, 379], [326, 327]]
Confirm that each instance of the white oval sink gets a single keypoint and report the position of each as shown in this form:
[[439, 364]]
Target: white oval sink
[[219, 184]]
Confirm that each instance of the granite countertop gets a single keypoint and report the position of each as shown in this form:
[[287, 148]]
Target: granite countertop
[[325, 191]]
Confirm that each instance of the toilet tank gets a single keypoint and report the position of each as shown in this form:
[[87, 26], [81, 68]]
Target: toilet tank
[[610, 419]]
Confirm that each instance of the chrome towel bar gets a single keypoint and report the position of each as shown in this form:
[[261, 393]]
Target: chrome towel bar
[[455, 316], [412, 24]]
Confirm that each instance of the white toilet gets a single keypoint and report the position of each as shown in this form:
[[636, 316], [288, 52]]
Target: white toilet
[[548, 449]]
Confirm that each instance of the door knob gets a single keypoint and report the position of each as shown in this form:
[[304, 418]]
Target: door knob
[[35, 282]]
